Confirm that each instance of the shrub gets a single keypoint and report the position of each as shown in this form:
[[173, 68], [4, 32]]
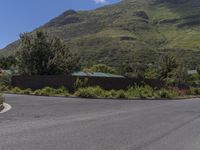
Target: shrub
[[16, 90], [166, 93], [27, 91], [97, 92], [113, 94], [195, 91], [91, 92], [37, 92], [4, 88], [80, 83], [1, 99], [146, 92], [48, 91], [121, 94], [132, 92], [62, 91], [141, 92], [5, 79]]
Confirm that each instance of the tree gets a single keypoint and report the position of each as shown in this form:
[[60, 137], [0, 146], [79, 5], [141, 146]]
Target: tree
[[41, 54], [101, 68], [6, 62]]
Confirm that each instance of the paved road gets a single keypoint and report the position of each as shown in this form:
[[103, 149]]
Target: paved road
[[42, 123]]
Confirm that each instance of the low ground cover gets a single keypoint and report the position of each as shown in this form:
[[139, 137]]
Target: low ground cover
[[47, 91], [143, 92]]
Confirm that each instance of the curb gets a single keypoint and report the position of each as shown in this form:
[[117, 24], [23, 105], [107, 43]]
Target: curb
[[6, 107]]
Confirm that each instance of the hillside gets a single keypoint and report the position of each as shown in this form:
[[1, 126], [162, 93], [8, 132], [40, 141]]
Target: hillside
[[132, 31]]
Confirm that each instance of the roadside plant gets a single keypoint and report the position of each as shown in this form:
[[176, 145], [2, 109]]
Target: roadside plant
[[195, 91], [49, 91], [4, 88], [5, 79], [90, 92], [163, 93], [121, 94], [145, 92], [1, 99], [27, 91], [167, 65], [140, 92], [62, 91], [80, 83], [16, 90]]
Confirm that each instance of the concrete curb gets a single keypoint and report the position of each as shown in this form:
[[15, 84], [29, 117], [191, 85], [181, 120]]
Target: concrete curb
[[6, 107]]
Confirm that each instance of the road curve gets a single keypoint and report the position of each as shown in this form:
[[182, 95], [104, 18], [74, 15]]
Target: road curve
[[49, 123]]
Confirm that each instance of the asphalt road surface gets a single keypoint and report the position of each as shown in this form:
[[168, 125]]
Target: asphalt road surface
[[47, 123]]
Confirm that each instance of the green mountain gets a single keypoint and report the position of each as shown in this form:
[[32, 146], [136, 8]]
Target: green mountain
[[131, 31]]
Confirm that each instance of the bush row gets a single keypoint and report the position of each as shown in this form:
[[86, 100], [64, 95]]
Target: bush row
[[47, 91], [144, 92]]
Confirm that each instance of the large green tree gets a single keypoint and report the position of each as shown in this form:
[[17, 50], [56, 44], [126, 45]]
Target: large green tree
[[41, 54], [7, 62]]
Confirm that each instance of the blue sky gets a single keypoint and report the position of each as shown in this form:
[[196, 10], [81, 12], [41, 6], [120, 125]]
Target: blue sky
[[19, 16]]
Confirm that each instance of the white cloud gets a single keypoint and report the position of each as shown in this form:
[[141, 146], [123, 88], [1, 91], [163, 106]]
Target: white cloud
[[100, 1]]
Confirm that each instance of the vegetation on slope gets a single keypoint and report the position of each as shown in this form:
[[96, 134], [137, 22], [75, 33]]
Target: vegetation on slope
[[132, 30]]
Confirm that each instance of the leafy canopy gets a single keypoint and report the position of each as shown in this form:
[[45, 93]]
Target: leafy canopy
[[6, 62], [41, 54]]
